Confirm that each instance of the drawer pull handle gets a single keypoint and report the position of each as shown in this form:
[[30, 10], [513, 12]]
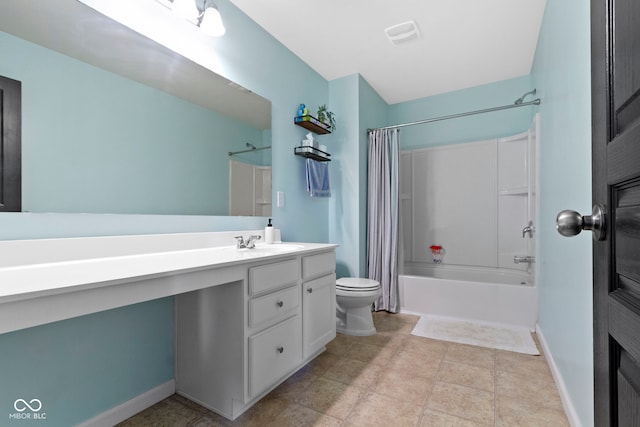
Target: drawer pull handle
[[310, 290], [280, 303], [280, 349]]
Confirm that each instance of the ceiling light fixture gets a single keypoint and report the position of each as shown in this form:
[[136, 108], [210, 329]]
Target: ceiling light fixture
[[211, 21], [208, 19], [186, 9]]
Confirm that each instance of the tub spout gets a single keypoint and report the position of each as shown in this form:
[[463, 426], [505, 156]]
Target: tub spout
[[524, 259]]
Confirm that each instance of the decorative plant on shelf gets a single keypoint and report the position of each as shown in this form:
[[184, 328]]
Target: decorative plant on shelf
[[326, 117]]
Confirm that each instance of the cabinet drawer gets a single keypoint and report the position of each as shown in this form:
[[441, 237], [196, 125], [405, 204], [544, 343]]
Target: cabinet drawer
[[318, 265], [273, 276], [270, 307], [273, 353]]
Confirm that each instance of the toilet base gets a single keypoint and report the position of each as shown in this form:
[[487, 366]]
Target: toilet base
[[355, 322]]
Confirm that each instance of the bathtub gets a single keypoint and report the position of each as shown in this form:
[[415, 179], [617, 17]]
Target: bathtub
[[472, 293]]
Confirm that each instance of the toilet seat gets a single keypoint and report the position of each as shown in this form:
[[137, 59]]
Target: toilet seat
[[356, 284]]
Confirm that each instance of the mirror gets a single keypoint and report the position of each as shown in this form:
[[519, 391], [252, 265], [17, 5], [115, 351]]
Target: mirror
[[134, 127]]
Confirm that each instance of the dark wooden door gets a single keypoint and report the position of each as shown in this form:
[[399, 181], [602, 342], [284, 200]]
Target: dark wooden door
[[10, 145], [615, 46]]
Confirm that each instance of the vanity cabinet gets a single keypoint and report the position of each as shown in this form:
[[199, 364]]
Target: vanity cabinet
[[318, 302], [238, 341]]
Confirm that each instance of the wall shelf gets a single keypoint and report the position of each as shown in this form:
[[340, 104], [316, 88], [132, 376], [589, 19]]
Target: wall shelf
[[312, 124], [312, 153]]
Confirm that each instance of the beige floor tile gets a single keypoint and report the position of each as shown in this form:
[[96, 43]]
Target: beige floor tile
[[521, 413], [523, 364], [540, 390], [471, 355], [382, 339], [464, 402], [393, 378], [467, 375], [321, 364], [415, 364], [340, 345], [331, 397], [377, 410], [390, 324], [425, 346], [296, 415], [210, 420], [169, 412], [353, 372], [292, 387], [263, 412], [371, 354], [403, 386], [438, 419]]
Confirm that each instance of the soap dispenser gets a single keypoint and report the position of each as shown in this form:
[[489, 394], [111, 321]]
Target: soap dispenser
[[268, 232]]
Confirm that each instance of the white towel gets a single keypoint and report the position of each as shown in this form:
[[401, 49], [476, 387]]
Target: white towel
[[318, 178]]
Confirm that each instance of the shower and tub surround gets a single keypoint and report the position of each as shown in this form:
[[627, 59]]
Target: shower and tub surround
[[479, 201], [233, 307]]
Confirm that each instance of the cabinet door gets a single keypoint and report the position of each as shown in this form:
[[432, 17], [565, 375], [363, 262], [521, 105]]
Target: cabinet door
[[319, 313]]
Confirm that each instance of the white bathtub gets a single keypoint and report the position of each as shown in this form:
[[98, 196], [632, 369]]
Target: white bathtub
[[482, 294]]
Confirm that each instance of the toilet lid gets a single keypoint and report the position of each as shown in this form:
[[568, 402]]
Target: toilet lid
[[357, 284]]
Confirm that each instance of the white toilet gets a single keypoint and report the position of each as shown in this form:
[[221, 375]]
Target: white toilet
[[354, 297]]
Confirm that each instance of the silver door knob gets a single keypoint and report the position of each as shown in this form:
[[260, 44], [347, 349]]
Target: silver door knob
[[570, 223]]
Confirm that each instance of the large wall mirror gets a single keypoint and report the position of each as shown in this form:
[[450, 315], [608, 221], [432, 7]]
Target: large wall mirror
[[113, 122]]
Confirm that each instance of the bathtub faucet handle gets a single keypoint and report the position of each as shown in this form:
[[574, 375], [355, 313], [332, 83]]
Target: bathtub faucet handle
[[528, 229]]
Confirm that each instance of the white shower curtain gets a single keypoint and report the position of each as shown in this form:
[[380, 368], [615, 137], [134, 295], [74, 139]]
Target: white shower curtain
[[382, 223]]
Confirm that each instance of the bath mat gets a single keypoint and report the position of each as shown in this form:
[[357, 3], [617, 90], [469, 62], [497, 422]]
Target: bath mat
[[502, 337]]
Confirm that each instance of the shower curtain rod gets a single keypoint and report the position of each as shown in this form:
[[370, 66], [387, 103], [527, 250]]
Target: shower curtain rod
[[231, 153], [469, 113]]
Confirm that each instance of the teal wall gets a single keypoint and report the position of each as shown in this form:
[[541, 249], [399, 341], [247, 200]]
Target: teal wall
[[464, 129], [96, 142], [75, 367], [84, 377], [358, 107], [561, 72]]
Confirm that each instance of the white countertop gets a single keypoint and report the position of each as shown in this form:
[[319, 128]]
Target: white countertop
[[37, 269]]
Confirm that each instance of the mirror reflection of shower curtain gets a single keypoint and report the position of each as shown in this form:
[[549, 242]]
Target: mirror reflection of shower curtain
[[383, 216]]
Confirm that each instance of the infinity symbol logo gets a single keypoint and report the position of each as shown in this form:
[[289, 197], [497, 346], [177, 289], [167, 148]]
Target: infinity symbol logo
[[21, 405]]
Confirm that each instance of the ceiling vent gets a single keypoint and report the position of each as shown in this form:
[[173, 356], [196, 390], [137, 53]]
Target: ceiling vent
[[404, 32]]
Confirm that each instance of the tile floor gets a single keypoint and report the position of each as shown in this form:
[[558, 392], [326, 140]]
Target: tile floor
[[393, 379]]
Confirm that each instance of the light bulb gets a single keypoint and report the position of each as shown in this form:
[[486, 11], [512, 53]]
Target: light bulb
[[186, 9], [211, 23]]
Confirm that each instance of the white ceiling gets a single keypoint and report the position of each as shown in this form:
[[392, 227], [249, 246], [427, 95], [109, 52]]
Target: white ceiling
[[463, 43]]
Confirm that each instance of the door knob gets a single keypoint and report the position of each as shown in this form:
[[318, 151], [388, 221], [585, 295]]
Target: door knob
[[569, 223]]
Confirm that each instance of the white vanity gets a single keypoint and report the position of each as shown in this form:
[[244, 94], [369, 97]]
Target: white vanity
[[245, 319], [259, 330]]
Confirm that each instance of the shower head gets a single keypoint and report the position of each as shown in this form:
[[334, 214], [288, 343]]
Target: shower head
[[249, 145], [521, 99]]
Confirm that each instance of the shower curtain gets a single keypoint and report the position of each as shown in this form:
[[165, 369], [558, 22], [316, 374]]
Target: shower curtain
[[382, 218]]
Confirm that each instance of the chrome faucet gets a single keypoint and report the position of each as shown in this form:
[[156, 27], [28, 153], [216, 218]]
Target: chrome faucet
[[250, 243], [524, 259], [528, 229]]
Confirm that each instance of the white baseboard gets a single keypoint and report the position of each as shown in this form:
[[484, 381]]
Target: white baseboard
[[131, 407], [567, 403]]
